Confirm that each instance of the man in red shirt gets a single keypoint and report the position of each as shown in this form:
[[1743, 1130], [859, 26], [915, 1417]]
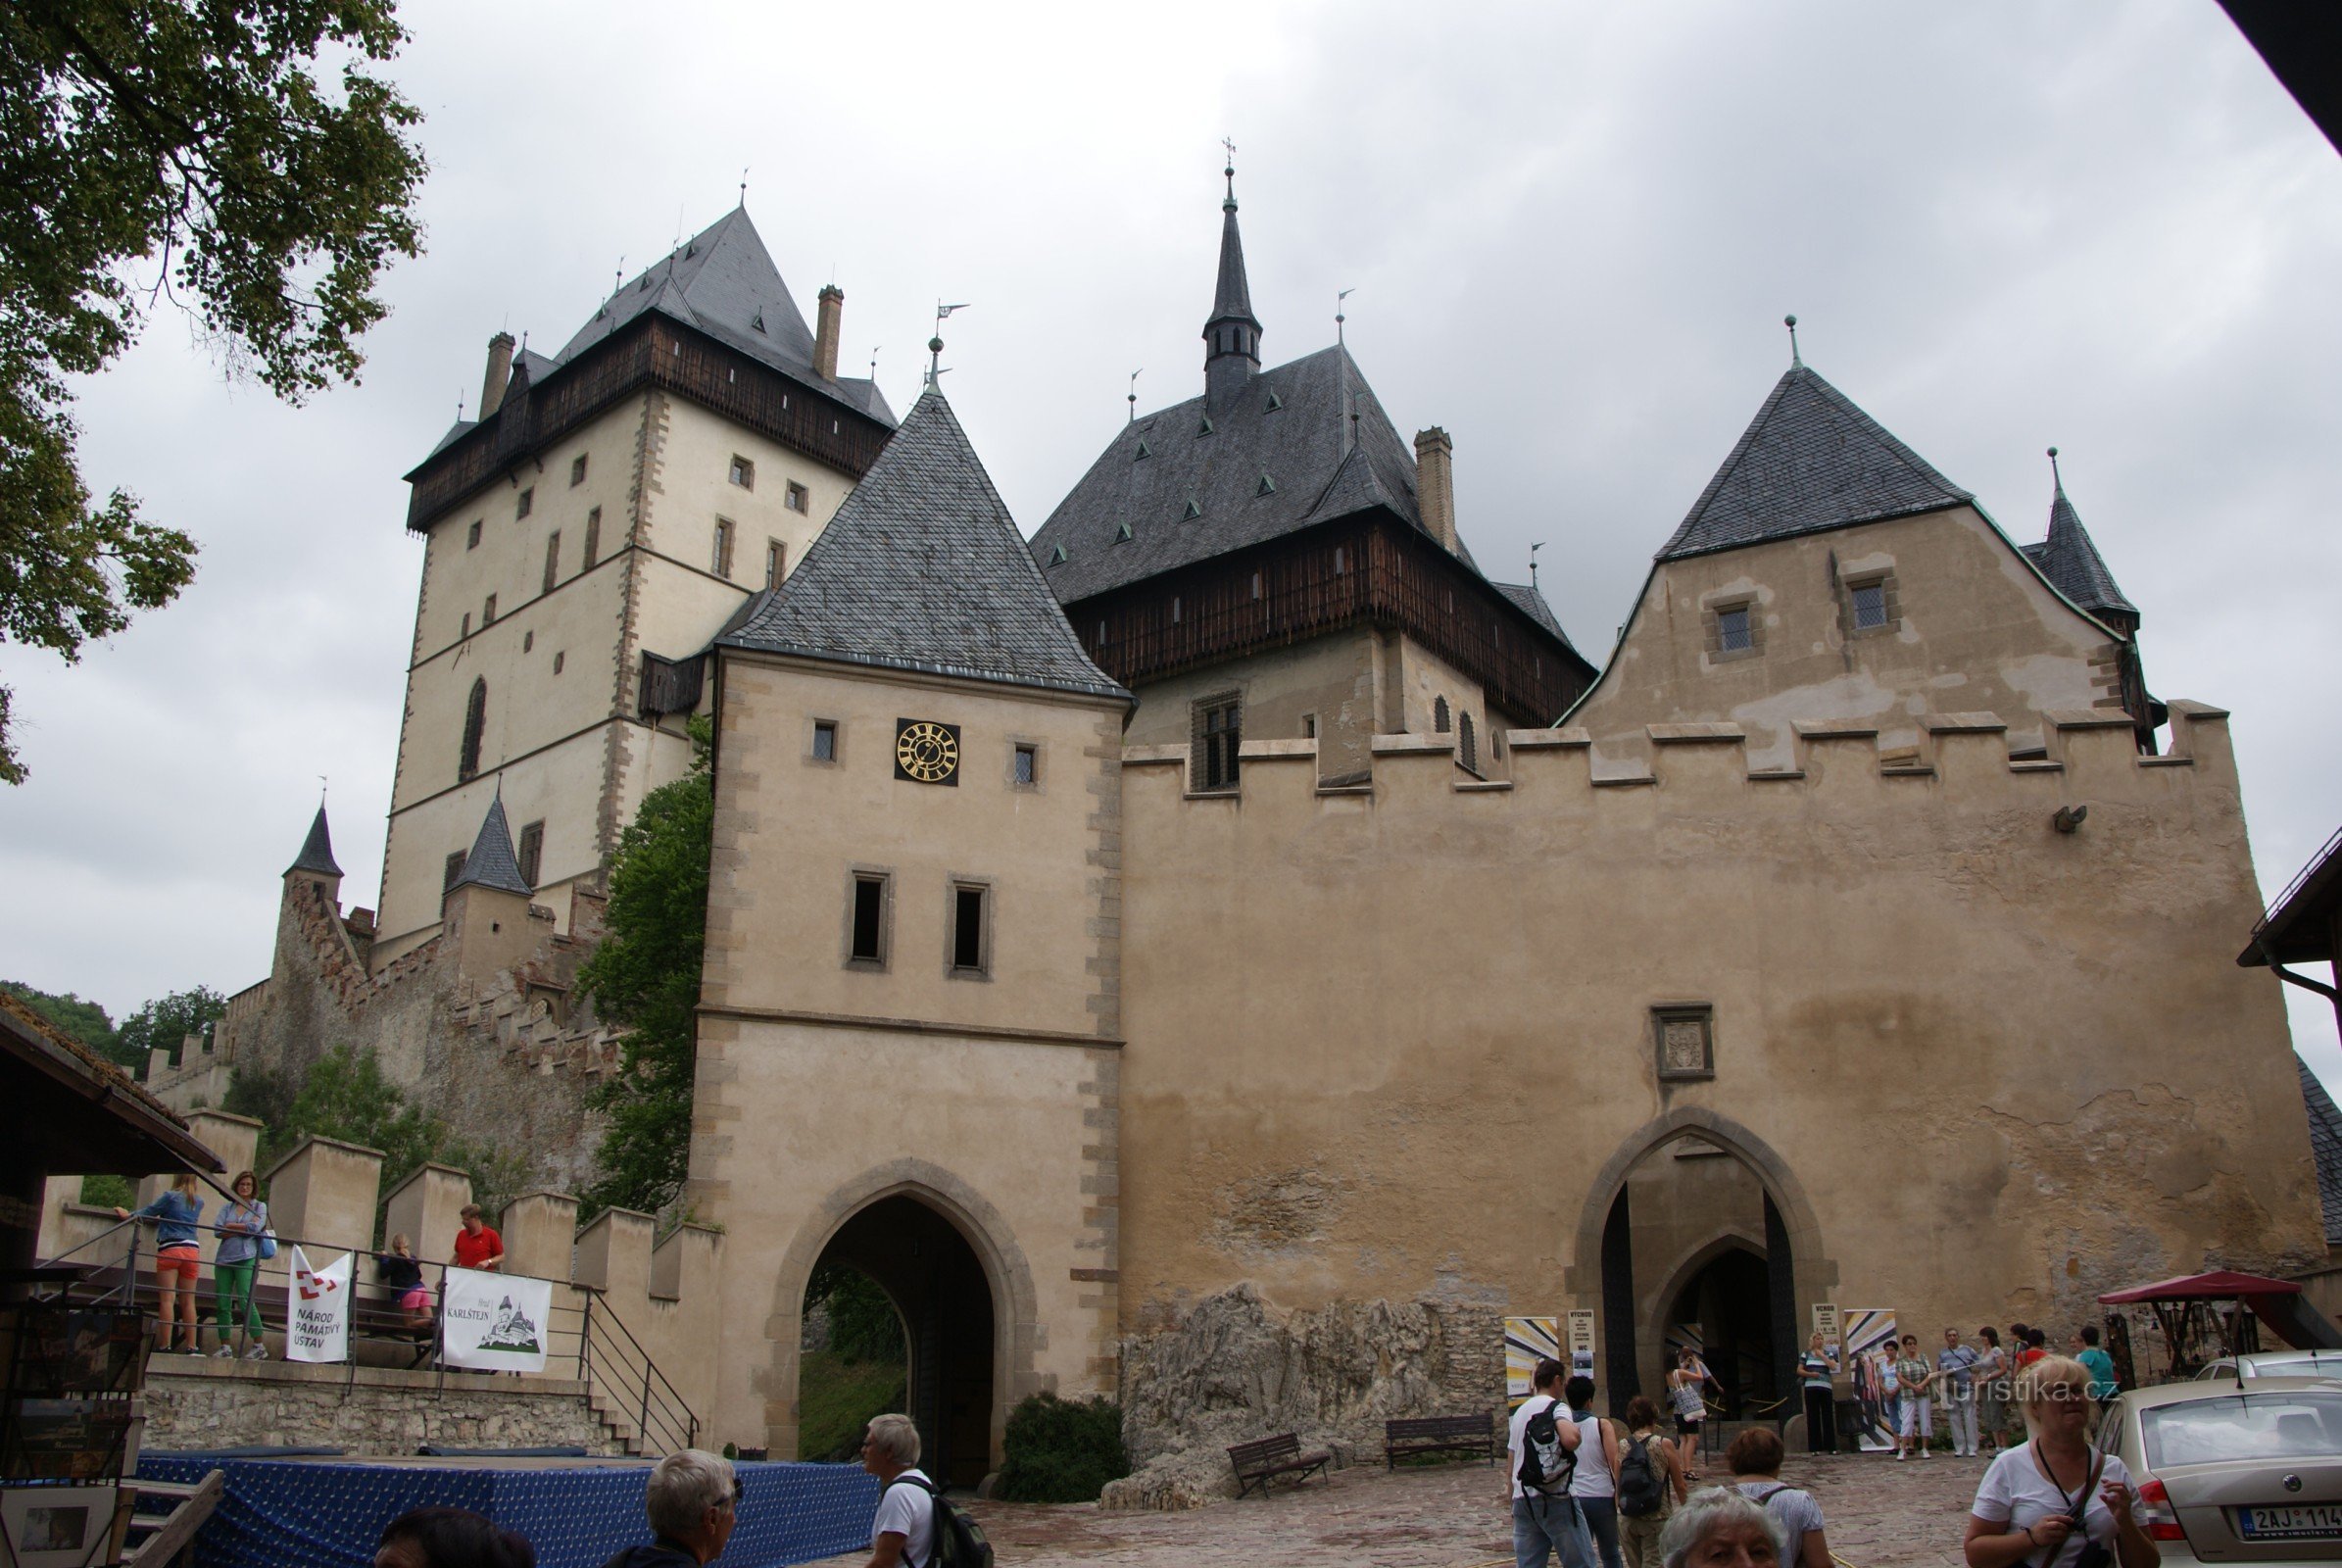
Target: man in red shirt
[[477, 1246]]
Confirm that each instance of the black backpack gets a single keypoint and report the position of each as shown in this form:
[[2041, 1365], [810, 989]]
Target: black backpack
[[1642, 1488], [959, 1540], [1545, 1465]]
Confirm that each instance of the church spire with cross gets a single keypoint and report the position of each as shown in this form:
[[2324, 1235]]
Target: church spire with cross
[[1231, 335]]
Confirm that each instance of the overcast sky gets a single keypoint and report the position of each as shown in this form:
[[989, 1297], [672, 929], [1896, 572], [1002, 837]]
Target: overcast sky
[[1572, 231]]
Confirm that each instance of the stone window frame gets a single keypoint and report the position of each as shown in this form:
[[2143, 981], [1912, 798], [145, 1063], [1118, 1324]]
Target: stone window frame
[[987, 891], [798, 499], [577, 471], [776, 562], [742, 472], [592, 540], [1666, 1013], [1891, 602], [529, 851], [723, 551], [524, 504], [471, 535], [856, 877], [1021, 749], [552, 561], [1202, 777], [1712, 615], [816, 729]]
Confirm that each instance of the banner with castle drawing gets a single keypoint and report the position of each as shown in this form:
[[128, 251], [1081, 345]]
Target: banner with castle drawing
[[317, 1316], [495, 1322]]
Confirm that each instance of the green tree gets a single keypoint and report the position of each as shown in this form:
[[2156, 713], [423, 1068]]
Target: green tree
[[84, 1021], [167, 1020], [245, 161], [645, 977]]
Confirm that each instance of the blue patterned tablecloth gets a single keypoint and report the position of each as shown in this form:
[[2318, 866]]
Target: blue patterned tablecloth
[[290, 1513]]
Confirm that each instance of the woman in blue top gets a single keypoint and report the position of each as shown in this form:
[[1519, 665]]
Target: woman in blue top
[[239, 1227], [178, 1258]]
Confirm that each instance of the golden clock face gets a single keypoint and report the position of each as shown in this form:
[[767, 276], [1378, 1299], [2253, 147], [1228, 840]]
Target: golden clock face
[[925, 752]]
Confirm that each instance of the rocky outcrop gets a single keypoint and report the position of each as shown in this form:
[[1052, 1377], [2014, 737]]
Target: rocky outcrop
[[1231, 1367]]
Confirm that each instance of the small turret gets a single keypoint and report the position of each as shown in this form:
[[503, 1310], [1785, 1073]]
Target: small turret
[[316, 851], [1231, 335]]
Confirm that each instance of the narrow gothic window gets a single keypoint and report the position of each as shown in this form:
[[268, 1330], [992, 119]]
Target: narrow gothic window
[[593, 538], [776, 563], [722, 564], [488, 612], [1439, 714], [867, 938], [578, 468], [552, 558], [471, 535], [526, 503], [475, 723], [1466, 746], [532, 852], [968, 929]]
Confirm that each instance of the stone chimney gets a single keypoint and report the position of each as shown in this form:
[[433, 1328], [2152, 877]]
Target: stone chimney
[[500, 374], [1434, 484], [831, 308]]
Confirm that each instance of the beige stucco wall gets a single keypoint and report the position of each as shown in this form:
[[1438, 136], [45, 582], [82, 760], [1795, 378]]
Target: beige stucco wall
[[824, 1086], [570, 747], [1979, 632], [1447, 1068]]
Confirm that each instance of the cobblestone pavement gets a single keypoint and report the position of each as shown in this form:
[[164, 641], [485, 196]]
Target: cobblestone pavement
[[1880, 1513]]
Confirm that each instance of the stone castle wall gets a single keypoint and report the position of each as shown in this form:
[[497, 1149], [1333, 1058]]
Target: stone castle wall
[[197, 1404]]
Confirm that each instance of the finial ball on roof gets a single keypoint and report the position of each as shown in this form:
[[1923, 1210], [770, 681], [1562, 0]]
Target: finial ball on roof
[[2053, 451], [1788, 320], [935, 345]]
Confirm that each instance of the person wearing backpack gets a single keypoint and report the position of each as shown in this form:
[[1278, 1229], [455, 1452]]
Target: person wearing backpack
[[1594, 1484], [1650, 1482], [1754, 1459], [1542, 1442], [916, 1525]]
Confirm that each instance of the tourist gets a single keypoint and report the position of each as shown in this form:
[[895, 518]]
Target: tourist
[[692, 1501], [2101, 1365], [903, 1532], [1720, 1529], [1815, 1370], [2033, 1495], [1594, 1483], [477, 1246], [179, 1261], [1917, 1426], [1890, 1394], [1644, 1450], [402, 1274], [1546, 1523], [450, 1538], [1954, 1373], [1684, 1386], [1755, 1457], [2035, 1343], [236, 1262], [1992, 1388]]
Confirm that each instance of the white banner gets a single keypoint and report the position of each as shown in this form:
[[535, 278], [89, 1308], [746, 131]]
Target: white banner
[[495, 1322], [318, 1318]]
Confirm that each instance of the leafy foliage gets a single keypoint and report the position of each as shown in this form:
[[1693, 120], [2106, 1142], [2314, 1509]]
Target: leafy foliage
[[84, 1021], [213, 150], [167, 1020], [109, 1192], [863, 1325], [836, 1400], [645, 977], [1061, 1451]]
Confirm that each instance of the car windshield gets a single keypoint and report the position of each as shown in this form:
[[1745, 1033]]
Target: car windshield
[[2299, 1425]]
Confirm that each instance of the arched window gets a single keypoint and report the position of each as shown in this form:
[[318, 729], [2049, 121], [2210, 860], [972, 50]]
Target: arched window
[[476, 721], [1464, 746], [1439, 714]]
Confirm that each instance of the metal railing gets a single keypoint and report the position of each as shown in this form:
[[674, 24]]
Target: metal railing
[[624, 1384]]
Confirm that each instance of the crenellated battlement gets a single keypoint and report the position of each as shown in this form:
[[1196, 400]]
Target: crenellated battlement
[[1965, 755]]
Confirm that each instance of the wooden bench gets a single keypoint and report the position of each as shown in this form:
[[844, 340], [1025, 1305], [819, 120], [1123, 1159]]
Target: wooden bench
[[1258, 1463], [1412, 1436]]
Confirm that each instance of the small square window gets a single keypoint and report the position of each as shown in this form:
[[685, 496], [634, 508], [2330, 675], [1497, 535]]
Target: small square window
[[866, 920], [488, 612], [1024, 766], [776, 563], [1870, 605], [1732, 632], [471, 535], [526, 503], [968, 945], [1684, 1036], [578, 468], [744, 473], [825, 740], [798, 499], [531, 852]]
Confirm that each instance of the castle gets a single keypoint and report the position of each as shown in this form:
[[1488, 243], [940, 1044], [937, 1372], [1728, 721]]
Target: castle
[[1232, 952]]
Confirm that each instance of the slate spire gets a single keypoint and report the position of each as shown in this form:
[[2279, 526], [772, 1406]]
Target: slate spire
[[2071, 561], [492, 862], [316, 851], [1231, 335], [1808, 463]]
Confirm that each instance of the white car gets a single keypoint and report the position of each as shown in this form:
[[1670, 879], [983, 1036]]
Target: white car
[[2277, 1364], [2234, 1473]]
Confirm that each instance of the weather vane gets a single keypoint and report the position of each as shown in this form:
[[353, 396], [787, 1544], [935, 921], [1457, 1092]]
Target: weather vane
[[935, 344], [1532, 550], [1338, 316], [1790, 321], [1135, 375], [744, 185]]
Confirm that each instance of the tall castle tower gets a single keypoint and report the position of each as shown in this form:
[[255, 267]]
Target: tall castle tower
[[585, 539]]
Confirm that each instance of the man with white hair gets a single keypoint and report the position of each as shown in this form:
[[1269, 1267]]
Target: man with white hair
[[902, 1535], [694, 1501]]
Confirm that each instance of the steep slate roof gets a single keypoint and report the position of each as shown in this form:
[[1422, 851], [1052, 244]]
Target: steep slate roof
[[923, 569], [491, 863], [1531, 603], [1810, 462], [2325, 1149], [316, 851], [2071, 562], [722, 280], [1302, 447]]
